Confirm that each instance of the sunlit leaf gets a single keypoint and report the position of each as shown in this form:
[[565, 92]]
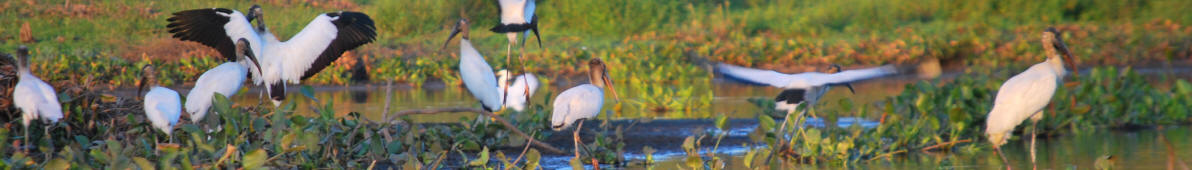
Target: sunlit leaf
[[482, 160], [255, 159], [721, 122]]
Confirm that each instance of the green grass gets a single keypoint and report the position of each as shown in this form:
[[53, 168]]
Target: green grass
[[769, 34]]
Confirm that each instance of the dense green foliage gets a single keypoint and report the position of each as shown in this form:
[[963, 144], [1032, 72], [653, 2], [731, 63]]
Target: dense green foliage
[[770, 34]]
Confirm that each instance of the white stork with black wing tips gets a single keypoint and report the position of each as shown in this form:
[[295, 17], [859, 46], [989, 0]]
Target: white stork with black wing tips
[[224, 79], [1024, 95], [803, 88], [35, 98], [323, 41], [477, 75], [517, 16]]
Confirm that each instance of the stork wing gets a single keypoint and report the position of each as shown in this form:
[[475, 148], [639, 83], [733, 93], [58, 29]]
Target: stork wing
[[755, 76], [1028, 91], [801, 80], [217, 28], [855, 75], [49, 108], [322, 42]]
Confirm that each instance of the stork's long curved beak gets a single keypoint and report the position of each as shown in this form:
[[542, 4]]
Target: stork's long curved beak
[[1067, 55], [609, 83], [246, 50], [454, 31], [141, 85]]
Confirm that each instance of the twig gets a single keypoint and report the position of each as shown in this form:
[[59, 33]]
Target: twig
[[886, 155], [539, 144], [229, 152], [388, 98], [523, 153], [929, 148]]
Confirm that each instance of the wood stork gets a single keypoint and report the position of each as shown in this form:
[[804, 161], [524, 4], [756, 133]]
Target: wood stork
[[35, 98], [224, 79], [803, 88], [477, 75], [517, 16], [582, 102], [1024, 95], [319, 44], [517, 94], [162, 105]]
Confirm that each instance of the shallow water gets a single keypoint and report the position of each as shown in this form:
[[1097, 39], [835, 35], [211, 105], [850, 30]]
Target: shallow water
[[1141, 149], [1131, 150]]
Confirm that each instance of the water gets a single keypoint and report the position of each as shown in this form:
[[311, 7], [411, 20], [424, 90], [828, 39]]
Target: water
[[1142, 149], [1131, 150]]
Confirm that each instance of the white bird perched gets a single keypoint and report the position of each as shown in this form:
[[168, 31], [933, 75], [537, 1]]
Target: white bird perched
[[1024, 95], [162, 105], [582, 102], [803, 88], [33, 97], [224, 79], [518, 94], [477, 75], [323, 41]]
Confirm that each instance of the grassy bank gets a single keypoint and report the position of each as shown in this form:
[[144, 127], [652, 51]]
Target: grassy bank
[[103, 38]]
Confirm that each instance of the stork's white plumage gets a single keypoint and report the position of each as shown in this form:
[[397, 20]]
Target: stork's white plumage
[[1026, 94], [517, 16], [224, 79], [162, 106], [477, 75], [582, 102], [802, 88], [35, 98], [517, 94], [319, 44]]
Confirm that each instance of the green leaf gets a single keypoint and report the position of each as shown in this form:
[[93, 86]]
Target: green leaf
[[721, 122], [483, 159], [532, 158], [143, 163], [255, 159], [308, 91], [576, 164], [765, 123], [749, 158], [58, 163]]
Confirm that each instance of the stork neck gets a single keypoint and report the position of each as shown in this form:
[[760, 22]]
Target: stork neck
[[1057, 64]]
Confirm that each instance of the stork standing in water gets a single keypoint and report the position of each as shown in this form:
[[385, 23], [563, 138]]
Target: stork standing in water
[[582, 102], [35, 98], [162, 105], [1024, 95], [224, 79], [323, 41], [521, 89], [477, 75]]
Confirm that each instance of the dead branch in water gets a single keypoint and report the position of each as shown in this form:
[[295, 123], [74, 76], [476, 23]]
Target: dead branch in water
[[536, 143]]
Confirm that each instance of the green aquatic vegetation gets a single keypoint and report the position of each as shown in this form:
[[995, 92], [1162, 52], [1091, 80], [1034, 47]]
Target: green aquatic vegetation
[[950, 114], [263, 136]]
